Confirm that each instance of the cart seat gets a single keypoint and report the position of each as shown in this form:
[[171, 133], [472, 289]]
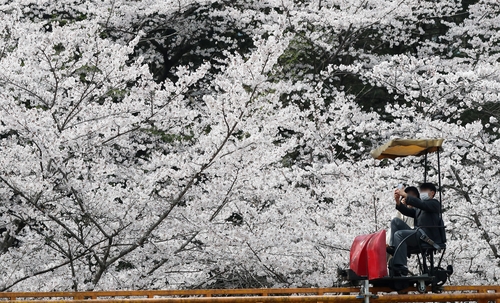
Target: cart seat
[[425, 247]]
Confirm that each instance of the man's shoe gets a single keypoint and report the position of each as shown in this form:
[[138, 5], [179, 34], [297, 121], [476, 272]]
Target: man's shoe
[[390, 250], [400, 271]]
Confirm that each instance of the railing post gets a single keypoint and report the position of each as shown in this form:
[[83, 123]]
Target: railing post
[[496, 291], [365, 293], [320, 293], [482, 291]]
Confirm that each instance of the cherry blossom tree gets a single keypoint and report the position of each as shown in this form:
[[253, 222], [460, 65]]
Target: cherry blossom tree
[[167, 144]]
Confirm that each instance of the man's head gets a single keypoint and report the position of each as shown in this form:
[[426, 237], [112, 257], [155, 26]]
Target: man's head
[[427, 191], [412, 191]]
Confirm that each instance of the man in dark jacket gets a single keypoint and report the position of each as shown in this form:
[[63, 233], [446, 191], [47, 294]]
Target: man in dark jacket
[[427, 214]]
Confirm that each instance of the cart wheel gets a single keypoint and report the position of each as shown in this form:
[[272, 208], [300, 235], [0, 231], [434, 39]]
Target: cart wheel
[[421, 286]]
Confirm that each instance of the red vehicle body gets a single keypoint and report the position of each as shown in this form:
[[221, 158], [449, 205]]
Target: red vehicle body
[[368, 256]]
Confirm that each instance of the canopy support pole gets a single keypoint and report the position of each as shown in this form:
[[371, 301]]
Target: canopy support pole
[[425, 168], [439, 188]]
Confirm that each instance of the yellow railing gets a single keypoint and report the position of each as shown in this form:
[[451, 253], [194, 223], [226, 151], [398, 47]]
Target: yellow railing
[[265, 295]]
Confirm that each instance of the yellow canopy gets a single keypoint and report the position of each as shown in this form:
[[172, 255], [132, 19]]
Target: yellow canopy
[[406, 147]]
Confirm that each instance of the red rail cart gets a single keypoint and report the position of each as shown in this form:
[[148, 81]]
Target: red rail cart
[[368, 257]]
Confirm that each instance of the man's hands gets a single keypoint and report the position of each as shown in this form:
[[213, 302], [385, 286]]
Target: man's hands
[[397, 197], [398, 194], [402, 193]]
